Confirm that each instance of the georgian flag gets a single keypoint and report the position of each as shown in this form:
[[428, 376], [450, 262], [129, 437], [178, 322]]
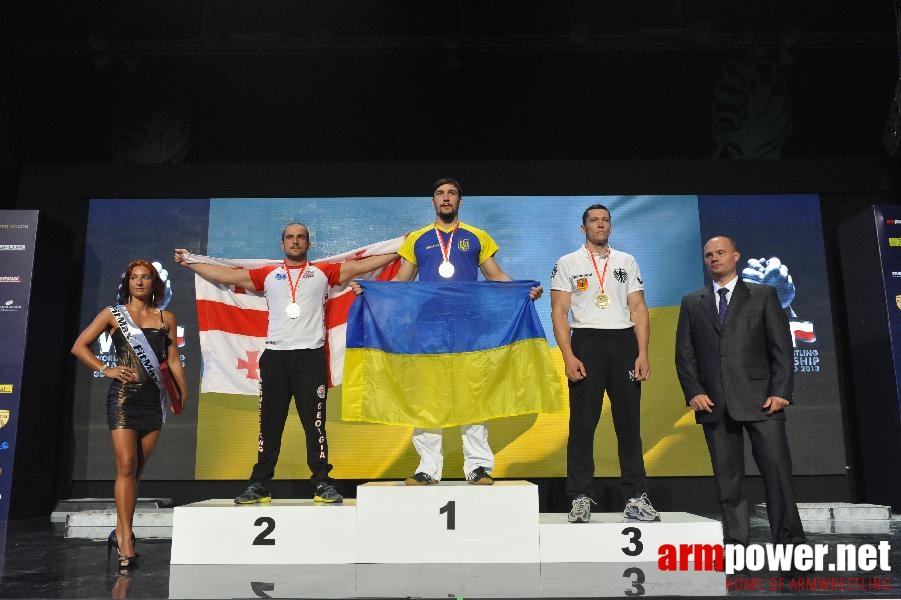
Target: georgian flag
[[232, 321]]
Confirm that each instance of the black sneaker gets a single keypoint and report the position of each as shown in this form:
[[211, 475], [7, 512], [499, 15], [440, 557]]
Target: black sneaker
[[326, 492], [421, 479], [480, 476], [254, 494]]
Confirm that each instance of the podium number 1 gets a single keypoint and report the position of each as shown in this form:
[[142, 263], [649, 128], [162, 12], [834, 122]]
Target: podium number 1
[[449, 508]]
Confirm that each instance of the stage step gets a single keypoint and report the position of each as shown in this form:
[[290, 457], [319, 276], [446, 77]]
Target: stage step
[[839, 517], [219, 532], [835, 511], [64, 508], [149, 523], [144, 517], [611, 538], [454, 522]]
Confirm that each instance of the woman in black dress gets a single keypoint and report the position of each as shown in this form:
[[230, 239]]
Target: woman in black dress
[[134, 408]]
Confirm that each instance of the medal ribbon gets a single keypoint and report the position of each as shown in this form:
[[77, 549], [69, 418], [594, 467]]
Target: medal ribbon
[[293, 284], [445, 251], [601, 277]]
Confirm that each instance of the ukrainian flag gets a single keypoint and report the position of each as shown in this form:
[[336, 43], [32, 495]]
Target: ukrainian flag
[[447, 353]]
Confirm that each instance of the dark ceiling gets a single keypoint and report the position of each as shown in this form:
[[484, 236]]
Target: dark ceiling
[[178, 81]]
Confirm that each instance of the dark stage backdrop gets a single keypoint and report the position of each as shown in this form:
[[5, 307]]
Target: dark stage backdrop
[[216, 437]]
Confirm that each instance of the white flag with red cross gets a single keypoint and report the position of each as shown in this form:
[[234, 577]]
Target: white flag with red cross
[[232, 321]]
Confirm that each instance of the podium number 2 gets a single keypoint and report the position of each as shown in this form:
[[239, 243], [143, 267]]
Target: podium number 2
[[449, 508], [269, 524], [635, 547]]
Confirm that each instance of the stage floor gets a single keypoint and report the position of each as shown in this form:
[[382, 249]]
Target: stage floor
[[39, 562]]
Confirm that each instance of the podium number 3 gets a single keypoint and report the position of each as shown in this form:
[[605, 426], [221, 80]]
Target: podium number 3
[[268, 523], [635, 547], [450, 509]]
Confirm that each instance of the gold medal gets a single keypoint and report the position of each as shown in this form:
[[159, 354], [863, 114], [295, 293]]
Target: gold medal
[[602, 299]]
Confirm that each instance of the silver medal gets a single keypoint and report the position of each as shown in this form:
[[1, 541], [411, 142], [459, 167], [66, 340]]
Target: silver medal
[[446, 270], [292, 310]]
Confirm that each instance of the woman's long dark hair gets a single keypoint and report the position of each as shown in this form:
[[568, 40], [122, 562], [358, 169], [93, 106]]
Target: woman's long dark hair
[[159, 288]]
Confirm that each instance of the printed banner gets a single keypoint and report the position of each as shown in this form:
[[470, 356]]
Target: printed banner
[[18, 232], [664, 233]]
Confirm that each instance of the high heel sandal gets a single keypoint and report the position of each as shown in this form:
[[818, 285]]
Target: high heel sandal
[[126, 562], [112, 541]]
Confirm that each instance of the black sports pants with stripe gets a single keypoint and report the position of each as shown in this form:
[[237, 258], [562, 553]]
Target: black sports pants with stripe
[[303, 375]]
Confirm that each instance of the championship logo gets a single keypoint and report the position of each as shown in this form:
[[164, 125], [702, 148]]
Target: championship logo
[[582, 284], [463, 245], [4, 418], [320, 391]]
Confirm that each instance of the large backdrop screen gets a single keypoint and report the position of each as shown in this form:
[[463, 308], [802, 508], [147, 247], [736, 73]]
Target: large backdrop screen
[[216, 438]]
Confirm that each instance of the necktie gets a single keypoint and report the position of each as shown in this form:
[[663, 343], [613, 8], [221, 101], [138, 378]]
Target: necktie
[[723, 304]]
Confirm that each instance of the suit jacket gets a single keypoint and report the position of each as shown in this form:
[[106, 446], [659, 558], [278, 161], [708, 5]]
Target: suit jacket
[[741, 363]]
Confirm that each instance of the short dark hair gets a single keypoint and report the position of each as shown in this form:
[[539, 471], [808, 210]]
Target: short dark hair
[[446, 180], [295, 223], [159, 288], [719, 235], [594, 207]]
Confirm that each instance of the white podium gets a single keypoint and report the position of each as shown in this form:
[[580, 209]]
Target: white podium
[[610, 538], [453, 522], [283, 532]]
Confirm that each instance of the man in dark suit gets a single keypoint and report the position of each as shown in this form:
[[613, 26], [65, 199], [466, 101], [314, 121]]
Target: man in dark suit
[[735, 364]]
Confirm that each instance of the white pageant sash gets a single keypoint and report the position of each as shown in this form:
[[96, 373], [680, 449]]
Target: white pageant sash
[[138, 342]]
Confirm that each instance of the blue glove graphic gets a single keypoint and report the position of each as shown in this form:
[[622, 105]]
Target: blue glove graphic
[[772, 272]]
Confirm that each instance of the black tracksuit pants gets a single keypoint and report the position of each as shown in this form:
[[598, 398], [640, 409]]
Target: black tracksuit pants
[[303, 375], [608, 355]]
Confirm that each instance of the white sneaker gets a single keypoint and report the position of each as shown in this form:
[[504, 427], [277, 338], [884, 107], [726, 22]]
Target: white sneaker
[[581, 511], [641, 509]]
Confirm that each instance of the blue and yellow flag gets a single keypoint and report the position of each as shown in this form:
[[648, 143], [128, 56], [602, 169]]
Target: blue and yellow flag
[[444, 354]]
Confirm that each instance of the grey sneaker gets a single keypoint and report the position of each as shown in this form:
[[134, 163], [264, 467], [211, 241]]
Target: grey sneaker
[[480, 476], [255, 493], [581, 511], [326, 492], [641, 509], [421, 479]]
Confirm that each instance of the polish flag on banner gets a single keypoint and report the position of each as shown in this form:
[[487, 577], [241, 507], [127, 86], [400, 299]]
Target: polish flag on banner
[[232, 321], [803, 331]]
